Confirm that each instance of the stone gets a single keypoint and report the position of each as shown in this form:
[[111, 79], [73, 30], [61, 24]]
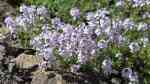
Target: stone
[[43, 77], [39, 78], [2, 51], [57, 80], [26, 61], [5, 9]]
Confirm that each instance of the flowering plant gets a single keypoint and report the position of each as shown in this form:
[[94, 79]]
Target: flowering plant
[[108, 40]]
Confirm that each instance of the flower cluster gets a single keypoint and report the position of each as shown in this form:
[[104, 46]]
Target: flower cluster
[[27, 18], [139, 3], [84, 40]]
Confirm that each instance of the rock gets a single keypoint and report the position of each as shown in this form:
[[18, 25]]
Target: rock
[[40, 77], [43, 77], [26, 61], [2, 51], [5, 9], [115, 81], [56, 80], [8, 81]]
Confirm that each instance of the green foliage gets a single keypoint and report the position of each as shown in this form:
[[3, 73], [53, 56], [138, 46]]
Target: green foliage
[[145, 55], [61, 8], [65, 62]]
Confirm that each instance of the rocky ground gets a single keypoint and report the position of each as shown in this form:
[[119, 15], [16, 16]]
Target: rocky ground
[[20, 66]]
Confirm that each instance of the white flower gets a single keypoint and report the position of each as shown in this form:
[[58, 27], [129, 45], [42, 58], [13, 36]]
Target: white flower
[[134, 47]]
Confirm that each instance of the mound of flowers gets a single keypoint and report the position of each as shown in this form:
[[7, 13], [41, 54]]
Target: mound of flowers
[[115, 47]]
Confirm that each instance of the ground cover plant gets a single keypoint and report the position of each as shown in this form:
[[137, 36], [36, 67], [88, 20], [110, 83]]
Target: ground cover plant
[[107, 37]]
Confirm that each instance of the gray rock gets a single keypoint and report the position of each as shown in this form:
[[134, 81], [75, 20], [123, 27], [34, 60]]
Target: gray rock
[[42, 77], [5, 9], [2, 51]]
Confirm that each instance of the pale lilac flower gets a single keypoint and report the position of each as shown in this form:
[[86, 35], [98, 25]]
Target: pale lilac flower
[[19, 21], [45, 27], [102, 44], [90, 16], [74, 68], [146, 15], [10, 23], [48, 53], [82, 58], [144, 41], [75, 13], [117, 25], [27, 11], [118, 55], [129, 74], [120, 3], [102, 13], [98, 31], [107, 66], [86, 30], [142, 26], [133, 77], [43, 65], [57, 23], [116, 37], [92, 23], [67, 28], [23, 8], [126, 73], [105, 25], [136, 3], [134, 47], [128, 24], [42, 11]]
